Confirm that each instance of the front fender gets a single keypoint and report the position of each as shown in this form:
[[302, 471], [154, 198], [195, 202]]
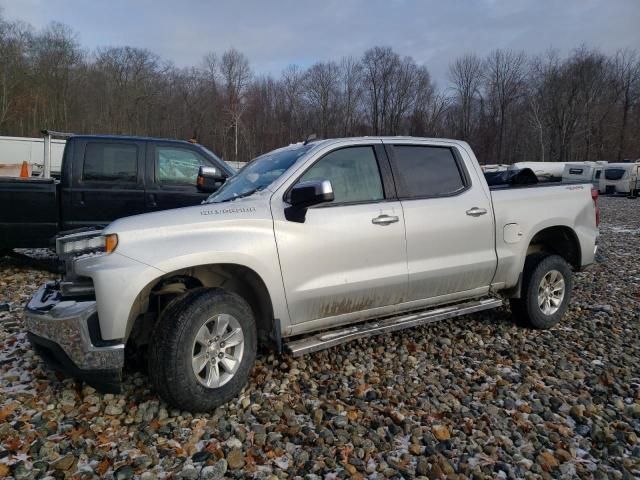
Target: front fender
[[143, 256], [118, 280]]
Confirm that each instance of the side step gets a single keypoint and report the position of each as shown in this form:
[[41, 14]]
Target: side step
[[328, 339]]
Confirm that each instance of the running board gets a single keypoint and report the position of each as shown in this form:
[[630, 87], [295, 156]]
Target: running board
[[320, 341]]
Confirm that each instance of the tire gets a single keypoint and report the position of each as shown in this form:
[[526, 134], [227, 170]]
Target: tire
[[527, 309], [180, 336]]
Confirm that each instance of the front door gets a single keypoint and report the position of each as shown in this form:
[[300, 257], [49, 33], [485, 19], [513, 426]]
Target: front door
[[449, 221], [348, 255]]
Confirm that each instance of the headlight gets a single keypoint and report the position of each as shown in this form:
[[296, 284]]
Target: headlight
[[86, 243]]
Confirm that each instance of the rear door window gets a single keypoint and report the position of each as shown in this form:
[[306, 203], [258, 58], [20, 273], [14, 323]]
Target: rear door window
[[427, 171], [109, 162]]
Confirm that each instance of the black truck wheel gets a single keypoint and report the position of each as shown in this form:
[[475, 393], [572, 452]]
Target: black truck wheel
[[546, 291], [202, 349]]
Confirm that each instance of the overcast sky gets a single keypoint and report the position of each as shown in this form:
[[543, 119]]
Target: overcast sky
[[275, 33]]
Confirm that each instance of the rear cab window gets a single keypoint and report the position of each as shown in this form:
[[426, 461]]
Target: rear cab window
[[425, 171], [110, 162]]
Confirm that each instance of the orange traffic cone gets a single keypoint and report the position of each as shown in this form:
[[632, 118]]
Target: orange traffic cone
[[24, 171]]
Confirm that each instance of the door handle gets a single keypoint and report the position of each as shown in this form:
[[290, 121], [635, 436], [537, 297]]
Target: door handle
[[384, 220], [476, 212]]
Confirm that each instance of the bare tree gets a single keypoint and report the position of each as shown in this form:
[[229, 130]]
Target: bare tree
[[466, 74], [293, 87], [350, 93], [626, 67], [321, 91], [129, 77], [55, 54], [379, 65], [504, 77], [14, 42], [235, 72]]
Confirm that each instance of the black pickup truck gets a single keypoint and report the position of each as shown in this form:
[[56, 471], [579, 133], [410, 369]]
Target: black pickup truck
[[103, 178]]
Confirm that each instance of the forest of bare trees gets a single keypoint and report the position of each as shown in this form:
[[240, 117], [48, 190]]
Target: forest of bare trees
[[510, 106]]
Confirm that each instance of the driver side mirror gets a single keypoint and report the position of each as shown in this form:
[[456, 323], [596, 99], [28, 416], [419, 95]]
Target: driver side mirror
[[305, 195], [209, 179]]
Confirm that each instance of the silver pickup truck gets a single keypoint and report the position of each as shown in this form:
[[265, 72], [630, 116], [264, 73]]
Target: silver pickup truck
[[305, 248]]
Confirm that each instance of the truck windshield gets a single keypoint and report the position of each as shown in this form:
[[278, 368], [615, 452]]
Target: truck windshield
[[258, 174], [614, 173]]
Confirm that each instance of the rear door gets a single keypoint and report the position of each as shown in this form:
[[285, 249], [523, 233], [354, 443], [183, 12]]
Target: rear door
[[448, 218], [171, 175], [107, 182]]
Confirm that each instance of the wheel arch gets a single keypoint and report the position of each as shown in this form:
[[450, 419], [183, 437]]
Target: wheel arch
[[559, 240], [236, 278], [555, 239]]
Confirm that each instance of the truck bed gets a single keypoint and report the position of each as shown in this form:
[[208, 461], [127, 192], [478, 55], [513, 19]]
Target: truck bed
[[522, 211]]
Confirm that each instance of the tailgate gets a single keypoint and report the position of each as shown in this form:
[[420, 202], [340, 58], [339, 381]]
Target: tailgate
[[29, 213]]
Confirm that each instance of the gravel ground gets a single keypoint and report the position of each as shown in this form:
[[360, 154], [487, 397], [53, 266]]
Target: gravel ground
[[469, 397]]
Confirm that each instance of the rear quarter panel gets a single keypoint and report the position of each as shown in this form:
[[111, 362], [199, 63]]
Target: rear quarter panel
[[532, 210]]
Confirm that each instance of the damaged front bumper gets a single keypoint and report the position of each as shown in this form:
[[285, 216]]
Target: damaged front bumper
[[65, 333]]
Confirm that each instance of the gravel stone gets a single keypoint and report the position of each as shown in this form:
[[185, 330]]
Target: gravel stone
[[215, 471], [124, 473]]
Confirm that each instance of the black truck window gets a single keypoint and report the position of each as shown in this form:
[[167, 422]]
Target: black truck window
[[107, 161], [178, 166], [427, 171]]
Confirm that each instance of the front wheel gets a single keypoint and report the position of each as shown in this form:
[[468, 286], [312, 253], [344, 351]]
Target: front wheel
[[202, 349], [546, 291]]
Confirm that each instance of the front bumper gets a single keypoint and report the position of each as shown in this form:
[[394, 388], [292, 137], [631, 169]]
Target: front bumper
[[59, 330]]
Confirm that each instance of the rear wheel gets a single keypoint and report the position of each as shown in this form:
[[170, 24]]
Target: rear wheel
[[203, 349], [546, 291]]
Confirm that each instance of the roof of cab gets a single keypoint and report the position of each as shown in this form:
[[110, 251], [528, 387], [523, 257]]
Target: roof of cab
[[385, 138], [131, 138]]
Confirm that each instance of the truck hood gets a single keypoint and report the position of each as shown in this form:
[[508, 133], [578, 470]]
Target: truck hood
[[255, 207]]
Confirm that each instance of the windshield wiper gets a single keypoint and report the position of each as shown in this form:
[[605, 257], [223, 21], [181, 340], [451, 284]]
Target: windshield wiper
[[248, 193]]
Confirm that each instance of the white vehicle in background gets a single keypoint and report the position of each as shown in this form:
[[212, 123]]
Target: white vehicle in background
[[545, 171], [622, 178], [16, 150], [583, 172]]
